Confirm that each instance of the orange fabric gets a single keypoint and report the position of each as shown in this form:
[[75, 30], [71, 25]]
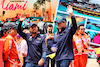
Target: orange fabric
[[77, 62], [1, 50], [85, 43], [84, 58], [9, 64], [74, 48], [13, 52], [80, 43]]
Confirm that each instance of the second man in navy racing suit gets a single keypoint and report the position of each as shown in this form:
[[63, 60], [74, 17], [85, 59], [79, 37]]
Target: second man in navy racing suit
[[63, 40]]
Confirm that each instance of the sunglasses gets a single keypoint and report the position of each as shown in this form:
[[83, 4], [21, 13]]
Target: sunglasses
[[82, 29]]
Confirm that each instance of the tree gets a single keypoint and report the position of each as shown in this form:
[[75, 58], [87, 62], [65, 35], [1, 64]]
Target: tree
[[40, 2], [36, 7]]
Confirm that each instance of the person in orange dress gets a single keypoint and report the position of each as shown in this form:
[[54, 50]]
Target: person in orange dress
[[11, 58], [4, 33], [85, 43], [80, 47], [75, 62]]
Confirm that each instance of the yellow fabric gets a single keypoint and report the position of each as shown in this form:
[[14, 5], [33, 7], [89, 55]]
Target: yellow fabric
[[51, 55], [97, 50]]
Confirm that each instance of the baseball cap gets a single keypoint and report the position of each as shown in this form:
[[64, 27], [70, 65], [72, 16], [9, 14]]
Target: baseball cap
[[61, 19], [4, 29], [32, 24], [10, 25]]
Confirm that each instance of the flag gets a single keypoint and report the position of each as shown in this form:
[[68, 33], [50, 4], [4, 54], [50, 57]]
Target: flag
[[97, 50], [51, 55]]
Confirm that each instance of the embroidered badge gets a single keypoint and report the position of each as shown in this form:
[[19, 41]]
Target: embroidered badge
[[30, 39]]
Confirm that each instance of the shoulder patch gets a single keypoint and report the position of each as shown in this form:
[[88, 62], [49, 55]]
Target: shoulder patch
[[38, 38]]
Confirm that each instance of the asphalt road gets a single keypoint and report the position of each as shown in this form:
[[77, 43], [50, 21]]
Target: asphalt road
[[92, 63]]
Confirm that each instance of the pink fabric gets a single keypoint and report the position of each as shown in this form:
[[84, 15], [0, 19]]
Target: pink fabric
[[96, 39]]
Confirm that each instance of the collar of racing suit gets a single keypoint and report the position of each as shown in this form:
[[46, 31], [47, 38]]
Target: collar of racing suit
[[62, 29]]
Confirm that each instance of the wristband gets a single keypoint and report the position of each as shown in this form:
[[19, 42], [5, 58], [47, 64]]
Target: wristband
[[44, 55], [43, 59], [52, 49]]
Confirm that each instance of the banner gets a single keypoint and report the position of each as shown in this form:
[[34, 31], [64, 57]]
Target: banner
[[9, 9], [87, 12], [37, 11]]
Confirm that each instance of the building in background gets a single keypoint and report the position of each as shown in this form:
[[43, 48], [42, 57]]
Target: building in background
[[33, 8]]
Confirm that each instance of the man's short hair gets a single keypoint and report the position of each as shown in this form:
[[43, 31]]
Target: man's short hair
[[81, 25], [50, 25]]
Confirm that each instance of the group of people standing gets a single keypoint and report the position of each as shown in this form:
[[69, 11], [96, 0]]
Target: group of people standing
[[13, 46], [37, 46]]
